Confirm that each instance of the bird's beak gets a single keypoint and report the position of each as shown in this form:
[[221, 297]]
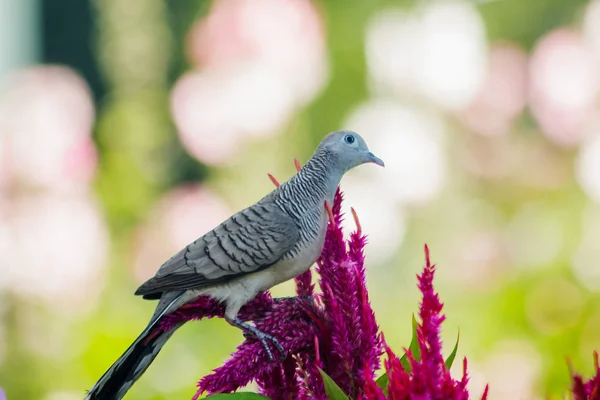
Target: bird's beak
[[376, 160]]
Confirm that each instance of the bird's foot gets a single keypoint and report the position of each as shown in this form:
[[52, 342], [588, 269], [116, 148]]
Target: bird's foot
[[250, 330]]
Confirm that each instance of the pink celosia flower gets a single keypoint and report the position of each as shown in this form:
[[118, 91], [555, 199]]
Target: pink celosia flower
[[429, 378], [334, 331], [586, 390]]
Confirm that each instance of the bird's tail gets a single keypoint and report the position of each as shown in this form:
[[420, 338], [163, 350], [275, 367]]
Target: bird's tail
[[131, 365], [119, 378]]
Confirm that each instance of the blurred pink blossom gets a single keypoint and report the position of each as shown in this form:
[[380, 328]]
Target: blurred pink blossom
[[181, 216], [503, 94], [3, 160], [563, 85], [58, 246], [46, 118], [53, 241], [436, 51], [285, 34], [591, 27], [5, 241], [412, 139], [216, 110], [479, 260], [587, 163], [257, 61]]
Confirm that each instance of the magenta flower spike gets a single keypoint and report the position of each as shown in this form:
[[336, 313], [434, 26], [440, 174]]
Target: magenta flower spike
[[428, 377], [334, 331], [586, 390]]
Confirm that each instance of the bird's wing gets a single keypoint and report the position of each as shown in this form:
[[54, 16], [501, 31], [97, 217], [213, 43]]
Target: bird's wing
[[249, 241]]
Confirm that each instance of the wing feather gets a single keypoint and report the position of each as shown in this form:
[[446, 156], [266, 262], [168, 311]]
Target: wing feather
[[247, 242]]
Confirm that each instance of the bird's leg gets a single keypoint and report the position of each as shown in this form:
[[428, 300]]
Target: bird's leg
[[263, 337]]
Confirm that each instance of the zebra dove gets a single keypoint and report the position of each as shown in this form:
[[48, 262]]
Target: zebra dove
[[270, 242]]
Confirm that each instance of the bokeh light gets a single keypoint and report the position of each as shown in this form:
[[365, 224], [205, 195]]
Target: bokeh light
[[591, 27], [438, 52], [287, 36], [503, 95], [512, 370], [553, 306], [534, 237], [58, 251], [479, 260], [585, 260], [53, 240], [409, 140], [379, 215], [563, 85], [217, 110], [46, 117], [588, 164], [248, 81], [590, 335], [5, 241]]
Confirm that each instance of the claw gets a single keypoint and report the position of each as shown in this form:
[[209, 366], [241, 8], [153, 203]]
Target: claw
[[250, 331], [263, 337], [279, 347]]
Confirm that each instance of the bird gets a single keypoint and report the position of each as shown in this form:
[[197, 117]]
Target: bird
[[267, 243]]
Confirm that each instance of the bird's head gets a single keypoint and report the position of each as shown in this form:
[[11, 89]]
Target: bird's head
[[349, 149]]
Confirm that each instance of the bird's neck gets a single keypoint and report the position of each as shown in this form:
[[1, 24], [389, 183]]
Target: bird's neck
[[322, 171], [316, 182]]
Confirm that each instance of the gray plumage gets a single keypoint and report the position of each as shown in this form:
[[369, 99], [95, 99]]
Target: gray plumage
[[270, 242]]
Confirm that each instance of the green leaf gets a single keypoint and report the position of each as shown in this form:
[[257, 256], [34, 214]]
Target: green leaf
[[237, 396], [332, 390], [452, 355], [382, 382], [414, 347]]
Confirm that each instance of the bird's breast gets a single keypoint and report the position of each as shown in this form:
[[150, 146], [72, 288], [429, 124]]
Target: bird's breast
[[306, 251]]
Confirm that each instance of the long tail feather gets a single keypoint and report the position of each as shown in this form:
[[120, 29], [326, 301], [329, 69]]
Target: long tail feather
[[130, 366], [119, 378]]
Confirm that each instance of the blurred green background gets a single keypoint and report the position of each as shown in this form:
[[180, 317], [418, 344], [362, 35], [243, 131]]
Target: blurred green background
[[129, 128]]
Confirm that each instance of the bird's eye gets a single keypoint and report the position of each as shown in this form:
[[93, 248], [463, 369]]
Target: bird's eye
[[349, 139]]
